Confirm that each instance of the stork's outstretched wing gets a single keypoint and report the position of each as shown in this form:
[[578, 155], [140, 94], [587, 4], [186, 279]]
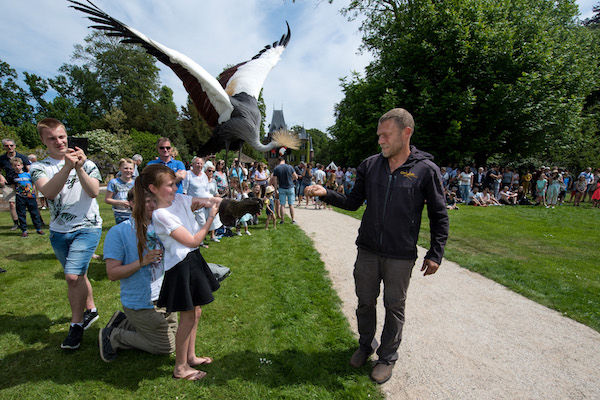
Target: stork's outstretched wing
[[208, 95], [250, 75]]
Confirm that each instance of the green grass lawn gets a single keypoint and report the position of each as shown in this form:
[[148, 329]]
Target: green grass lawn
[[551, 256], [275, 329]]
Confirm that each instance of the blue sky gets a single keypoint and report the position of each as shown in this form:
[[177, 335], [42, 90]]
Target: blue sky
[[38, 36]]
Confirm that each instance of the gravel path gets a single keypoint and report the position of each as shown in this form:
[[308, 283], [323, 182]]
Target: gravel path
[[467, 337]]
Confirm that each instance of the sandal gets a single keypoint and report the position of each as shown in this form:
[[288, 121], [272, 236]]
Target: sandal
[[207, 360], [196, 376]]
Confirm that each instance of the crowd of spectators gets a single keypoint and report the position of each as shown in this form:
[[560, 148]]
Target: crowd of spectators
[[495, 185]]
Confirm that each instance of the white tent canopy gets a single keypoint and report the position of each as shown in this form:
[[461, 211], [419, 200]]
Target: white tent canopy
[[331, 166]]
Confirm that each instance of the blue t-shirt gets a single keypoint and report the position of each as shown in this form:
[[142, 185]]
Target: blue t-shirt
[[24, 186], [237, 173], [175, 165], [119, 190], [139, 290], [285, 175]]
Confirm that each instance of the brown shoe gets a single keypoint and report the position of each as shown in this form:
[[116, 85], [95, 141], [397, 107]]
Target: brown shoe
[[382, 372], [359, 358]]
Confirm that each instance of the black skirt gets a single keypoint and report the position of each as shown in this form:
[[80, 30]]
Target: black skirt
[[188, 284]]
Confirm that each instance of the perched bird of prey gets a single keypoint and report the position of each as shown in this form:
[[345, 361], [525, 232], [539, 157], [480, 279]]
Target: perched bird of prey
[[229, 105]]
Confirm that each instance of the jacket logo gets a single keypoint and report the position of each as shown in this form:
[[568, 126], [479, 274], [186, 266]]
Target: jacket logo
[[409, 175]]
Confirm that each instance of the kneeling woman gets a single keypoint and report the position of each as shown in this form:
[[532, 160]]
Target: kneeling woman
[[188, 282]]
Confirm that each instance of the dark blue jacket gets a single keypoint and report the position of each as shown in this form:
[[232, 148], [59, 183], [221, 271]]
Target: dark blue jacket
[[391, 222]]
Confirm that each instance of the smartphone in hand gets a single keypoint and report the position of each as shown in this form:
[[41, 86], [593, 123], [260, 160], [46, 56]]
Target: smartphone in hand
[[81, 142]]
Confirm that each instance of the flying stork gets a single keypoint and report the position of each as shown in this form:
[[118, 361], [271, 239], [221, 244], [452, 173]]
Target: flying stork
[[229, 105]]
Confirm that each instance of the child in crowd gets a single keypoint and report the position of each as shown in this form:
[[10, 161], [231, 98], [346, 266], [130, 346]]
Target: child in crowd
[[188, 282], [243, 221], [596, 195], [451, 200], [270, 207], [117, 189], [25, 199], [580, 187], [540, 189], [256, 189]]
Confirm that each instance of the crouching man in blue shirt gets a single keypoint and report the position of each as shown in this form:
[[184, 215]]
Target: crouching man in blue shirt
[[142, 326]]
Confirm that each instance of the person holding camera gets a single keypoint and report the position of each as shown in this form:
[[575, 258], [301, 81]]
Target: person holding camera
[[70, 182]]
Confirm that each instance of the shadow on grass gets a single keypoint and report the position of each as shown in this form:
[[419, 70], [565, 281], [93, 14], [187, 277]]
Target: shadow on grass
[[31, 329], [277, 369], [24, 257], [96, 271]]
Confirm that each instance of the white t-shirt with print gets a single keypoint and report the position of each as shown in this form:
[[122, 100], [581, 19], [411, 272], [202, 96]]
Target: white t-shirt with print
[[166, 220], [72, 209]]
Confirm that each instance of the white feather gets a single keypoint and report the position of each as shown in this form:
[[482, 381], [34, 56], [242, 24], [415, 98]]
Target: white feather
[[215, 92], [249, 78]]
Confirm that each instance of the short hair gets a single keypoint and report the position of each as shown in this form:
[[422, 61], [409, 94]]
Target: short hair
[[15, 161], [7, 140], [125, 161], [196, 158], [281, 158], [162, 140], [137, 157], [399, 115], [32, 157], [49, 123]]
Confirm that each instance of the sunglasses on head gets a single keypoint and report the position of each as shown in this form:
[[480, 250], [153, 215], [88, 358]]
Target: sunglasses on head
[[165, 147]]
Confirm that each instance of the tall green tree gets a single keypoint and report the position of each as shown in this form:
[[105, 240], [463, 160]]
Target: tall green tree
[[108, 74], [481, 77], [14, 106]]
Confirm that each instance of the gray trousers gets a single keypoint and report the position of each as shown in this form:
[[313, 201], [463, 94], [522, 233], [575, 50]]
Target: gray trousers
[[369, 270], [151, 330]]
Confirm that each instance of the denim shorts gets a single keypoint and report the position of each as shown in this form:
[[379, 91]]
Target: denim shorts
[[287, 194], [75, 249]]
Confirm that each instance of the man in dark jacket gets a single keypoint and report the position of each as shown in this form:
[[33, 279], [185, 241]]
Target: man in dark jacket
[[396, 184]]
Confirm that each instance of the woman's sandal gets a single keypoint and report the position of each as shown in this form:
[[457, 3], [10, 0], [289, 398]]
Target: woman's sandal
[[207, 360], [196, 376]]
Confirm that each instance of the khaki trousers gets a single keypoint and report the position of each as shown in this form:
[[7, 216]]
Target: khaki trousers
[[151, 330]]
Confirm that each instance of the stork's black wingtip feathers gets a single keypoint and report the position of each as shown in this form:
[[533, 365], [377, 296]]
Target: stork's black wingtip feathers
[[286, 39]]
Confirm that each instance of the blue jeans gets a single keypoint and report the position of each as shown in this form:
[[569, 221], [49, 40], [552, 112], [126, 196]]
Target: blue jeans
[[287, 194], [23, 205], [75, 249], [464, 192]]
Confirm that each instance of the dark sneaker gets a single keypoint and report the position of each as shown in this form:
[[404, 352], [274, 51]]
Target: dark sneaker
[[382, 372], [359, 358], [40, 232], [14, 227], [116, 319], [24, 234], [107, 353], [89, 317], [2, 270], [73, 339]]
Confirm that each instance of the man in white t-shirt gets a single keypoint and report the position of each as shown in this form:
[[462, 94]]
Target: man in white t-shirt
[[70, 182]]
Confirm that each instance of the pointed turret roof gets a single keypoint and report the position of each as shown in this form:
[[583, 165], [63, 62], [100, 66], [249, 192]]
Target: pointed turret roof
[[277, 122]]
